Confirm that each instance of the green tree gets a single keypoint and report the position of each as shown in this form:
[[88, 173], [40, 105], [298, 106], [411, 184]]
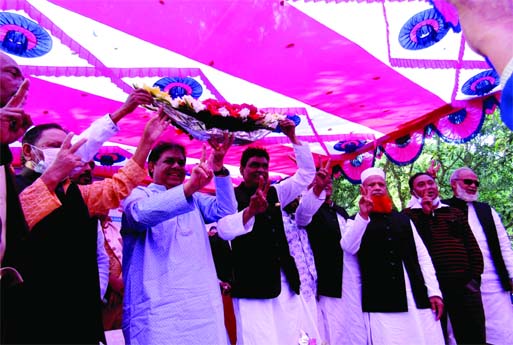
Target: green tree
[[489, 154]]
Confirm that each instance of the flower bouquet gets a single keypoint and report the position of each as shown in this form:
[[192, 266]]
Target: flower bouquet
[[205, 119]]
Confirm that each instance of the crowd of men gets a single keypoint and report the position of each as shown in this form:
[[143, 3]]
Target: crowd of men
[[298, 268]]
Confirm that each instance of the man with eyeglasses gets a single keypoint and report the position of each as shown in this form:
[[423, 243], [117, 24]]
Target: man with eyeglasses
[[496, 283], [456, 257], [172, 293]]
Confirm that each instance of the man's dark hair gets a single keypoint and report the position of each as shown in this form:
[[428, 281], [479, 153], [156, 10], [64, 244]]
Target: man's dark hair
[[253, 152], [412, 179], [32, 135], [162, 147]]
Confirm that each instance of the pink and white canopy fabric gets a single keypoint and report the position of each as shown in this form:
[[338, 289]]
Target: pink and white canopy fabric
[[351, 70]]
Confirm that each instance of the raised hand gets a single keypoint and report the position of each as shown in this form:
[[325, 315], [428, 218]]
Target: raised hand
[[201, 175], [322, 178], [427, 203], [19, 98], [366, 204], [288, 127], [220, 146], [13, 123], [65, 161], [156, 126], [136, 98], [434, 167], [258, 201], [152, 131]]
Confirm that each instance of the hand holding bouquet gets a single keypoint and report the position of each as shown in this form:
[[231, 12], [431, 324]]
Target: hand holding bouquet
[[204, 119]]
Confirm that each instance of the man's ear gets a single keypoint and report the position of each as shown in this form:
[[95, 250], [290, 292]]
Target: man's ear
[[151, 166], [26, 151], [453, 186]]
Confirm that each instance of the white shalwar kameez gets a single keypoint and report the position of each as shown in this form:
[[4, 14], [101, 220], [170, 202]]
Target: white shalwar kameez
[[340, 319], [299, 247], [417, 326], [343, 318], [275, 321], [172, 293], [497, 303]]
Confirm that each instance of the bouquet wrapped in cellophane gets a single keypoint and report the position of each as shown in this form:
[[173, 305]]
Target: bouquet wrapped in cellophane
[[205, 119]]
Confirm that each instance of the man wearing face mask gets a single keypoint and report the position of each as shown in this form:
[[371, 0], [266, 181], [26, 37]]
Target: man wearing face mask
[[456, 257], [59, 256], [496, 282], [36, 157]]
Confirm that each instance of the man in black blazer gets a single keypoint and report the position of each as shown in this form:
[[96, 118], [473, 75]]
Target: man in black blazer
[[496, 283]]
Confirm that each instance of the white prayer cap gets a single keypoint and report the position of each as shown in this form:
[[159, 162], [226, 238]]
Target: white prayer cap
[[372, 172]]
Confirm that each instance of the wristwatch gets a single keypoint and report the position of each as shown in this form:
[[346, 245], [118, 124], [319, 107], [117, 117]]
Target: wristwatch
[[222, 173]]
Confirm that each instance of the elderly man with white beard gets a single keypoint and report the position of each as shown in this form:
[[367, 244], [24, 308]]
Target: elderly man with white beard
[[399, 284], [497, 278]]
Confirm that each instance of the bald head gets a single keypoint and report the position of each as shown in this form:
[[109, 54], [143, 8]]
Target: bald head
[[10, 78]]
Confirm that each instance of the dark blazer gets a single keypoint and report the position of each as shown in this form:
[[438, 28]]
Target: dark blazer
[[259, 256], [16, 232], [222, 256], [62, 289], [324, 236], [484, 214], [387, 244]]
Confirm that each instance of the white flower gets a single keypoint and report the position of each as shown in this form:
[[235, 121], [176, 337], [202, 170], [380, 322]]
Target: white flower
[[198, 106], [188, 99], [176, 102], [244, 113], [272, 119], [224, 112]]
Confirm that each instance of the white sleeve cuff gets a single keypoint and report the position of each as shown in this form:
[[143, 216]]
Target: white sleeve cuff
[[506, 74]]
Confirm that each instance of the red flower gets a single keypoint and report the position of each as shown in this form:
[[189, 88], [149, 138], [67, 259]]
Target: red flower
[[251, 107], [255, 116], [212, 106], [234, 110]]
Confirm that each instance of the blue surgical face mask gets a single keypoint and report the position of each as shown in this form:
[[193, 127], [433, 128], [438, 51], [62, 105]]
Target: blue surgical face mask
[[48, 157]]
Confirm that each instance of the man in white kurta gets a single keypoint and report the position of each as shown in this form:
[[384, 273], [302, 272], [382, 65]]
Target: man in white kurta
[[172, 294], [266, 280], [301, 251], [493, 240], [341, 317], [415, 325]]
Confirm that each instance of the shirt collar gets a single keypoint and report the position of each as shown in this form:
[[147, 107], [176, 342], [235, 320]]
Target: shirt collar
[[415, 204], [157, 187]]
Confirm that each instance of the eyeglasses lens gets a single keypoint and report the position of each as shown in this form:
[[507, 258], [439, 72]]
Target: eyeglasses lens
[[469, 182]]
